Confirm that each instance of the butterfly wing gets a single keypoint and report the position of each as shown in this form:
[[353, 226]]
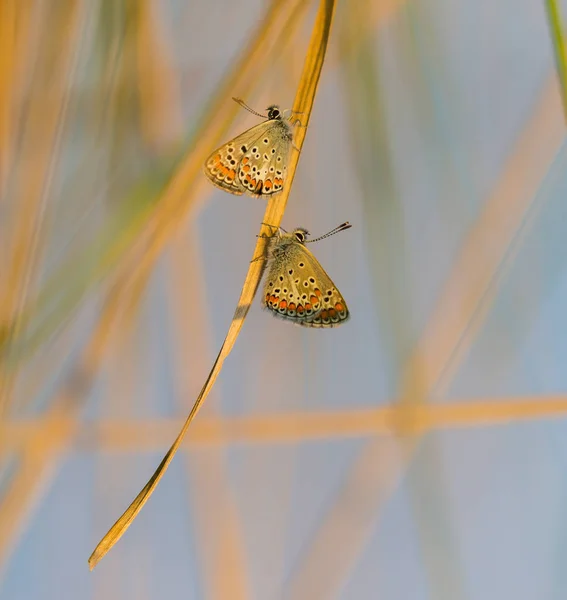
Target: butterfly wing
[[263, 168], [297, 288], [223, 164], [254, 162]]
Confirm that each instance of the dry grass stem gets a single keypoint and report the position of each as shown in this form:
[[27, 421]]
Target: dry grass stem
[[303, 103]]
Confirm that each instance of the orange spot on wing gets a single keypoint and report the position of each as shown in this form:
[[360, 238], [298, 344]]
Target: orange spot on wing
[[318, 292], [273, 300], [258, 187], [283, 304], [245, 161], [339, 307], [268, 185], [291, 306], [324, 314], [246, 168], [308, 306], [300, 309], [332, 313], [314, 300]]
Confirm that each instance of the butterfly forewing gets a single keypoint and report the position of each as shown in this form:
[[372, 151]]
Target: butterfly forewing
[[297, 287], [223, 165], [255, 162]]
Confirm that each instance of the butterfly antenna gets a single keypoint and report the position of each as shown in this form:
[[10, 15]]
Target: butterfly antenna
[[244, 105], [341, 227]]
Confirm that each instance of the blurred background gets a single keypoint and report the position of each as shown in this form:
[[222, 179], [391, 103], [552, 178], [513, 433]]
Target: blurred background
[[418, 452]]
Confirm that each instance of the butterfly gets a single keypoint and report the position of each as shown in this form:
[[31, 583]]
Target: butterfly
[[297, 287], [255, 161]]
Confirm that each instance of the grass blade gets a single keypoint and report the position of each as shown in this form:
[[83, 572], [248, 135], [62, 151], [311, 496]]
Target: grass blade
[[303, 103], [557, 37]]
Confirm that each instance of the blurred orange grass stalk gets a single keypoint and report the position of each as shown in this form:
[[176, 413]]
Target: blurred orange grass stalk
[[134, 235], [40, 127], [303, 104]]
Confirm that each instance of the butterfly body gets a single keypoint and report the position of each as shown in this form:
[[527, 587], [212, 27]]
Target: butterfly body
[[297, 288], [255, 162]]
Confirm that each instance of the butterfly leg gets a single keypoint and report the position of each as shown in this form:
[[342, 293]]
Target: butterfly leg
[[273, 227], [257, 258], [290, 111]]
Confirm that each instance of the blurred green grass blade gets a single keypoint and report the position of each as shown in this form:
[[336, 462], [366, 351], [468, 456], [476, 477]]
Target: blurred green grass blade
[[365, 95], [74, 279], [371, 158], [558, 40]]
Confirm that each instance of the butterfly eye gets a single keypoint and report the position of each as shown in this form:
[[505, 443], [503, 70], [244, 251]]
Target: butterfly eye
[[300, 236], [274, 112]]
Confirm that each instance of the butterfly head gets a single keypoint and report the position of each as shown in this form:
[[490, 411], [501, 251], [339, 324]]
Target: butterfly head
[[274, 112], [300, 234]]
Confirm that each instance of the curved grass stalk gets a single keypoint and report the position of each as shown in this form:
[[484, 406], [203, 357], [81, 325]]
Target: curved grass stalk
[[303, 103], [558, 39]]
